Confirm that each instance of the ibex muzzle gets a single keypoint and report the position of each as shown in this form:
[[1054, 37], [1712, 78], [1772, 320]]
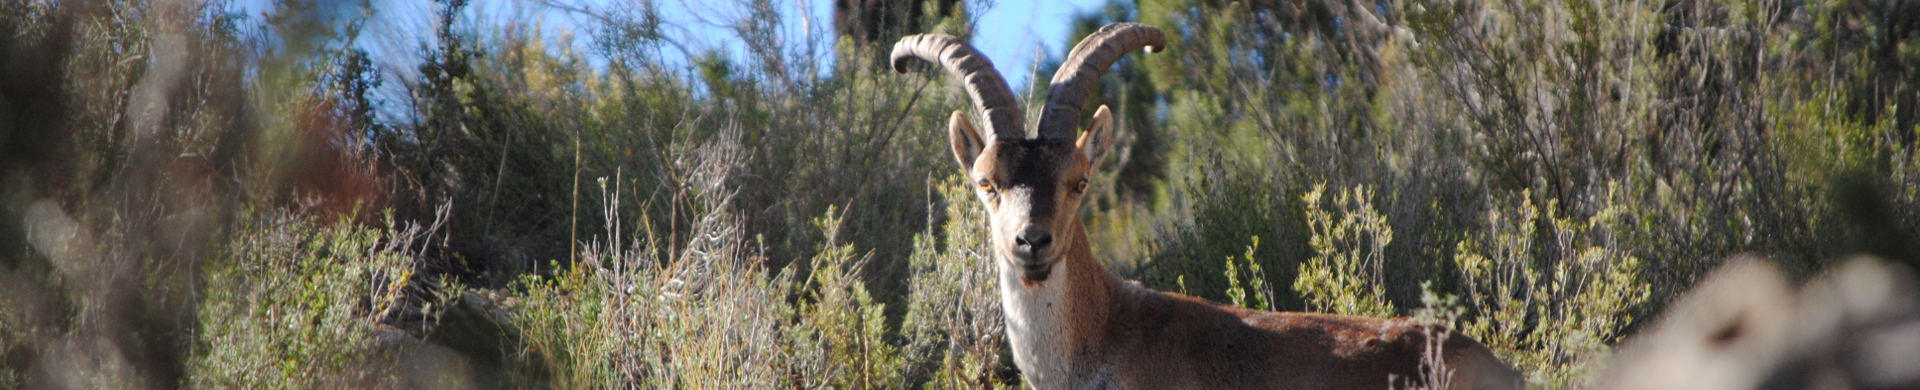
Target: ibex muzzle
[[1031, 243]]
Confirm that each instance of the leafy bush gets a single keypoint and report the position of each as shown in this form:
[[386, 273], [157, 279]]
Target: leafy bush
[[953, 323], [293, 303], [1550, 302], [1256, 294], [1347, 270], [713, 314]]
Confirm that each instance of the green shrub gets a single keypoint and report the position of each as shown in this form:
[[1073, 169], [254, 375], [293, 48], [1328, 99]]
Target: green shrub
[[1256, 294], [839, 315], [1219, 209], [292, 303], [638, 312], [1347, 273], [712, 315], [1551, 301], [954, 325]]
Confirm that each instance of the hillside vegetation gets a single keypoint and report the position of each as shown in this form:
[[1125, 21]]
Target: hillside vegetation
[[194, 196]]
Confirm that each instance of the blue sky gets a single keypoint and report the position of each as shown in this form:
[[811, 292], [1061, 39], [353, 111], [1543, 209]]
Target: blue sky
[[1010, 32]]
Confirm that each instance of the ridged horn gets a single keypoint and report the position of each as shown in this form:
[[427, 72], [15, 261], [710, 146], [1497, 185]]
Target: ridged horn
[[1083, 68], [996, 102]]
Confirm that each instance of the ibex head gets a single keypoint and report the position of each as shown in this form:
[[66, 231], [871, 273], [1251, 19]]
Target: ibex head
[[1031, 187]]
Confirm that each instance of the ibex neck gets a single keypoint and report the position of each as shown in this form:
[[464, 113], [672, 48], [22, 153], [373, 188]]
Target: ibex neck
[[1049, 322]]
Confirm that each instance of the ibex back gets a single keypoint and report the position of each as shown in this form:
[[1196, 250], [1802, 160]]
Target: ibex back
[[1073, 325]]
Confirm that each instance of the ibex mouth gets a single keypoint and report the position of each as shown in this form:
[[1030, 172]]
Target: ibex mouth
[[1035, 271]]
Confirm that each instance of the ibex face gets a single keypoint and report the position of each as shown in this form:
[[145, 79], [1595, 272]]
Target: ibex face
[[1031, 189]]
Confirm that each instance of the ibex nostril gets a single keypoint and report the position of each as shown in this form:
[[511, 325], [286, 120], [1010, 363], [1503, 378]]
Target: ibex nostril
[[1034, 238]]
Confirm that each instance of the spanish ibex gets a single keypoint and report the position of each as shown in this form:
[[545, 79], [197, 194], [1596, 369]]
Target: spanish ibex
[[1073, 325]]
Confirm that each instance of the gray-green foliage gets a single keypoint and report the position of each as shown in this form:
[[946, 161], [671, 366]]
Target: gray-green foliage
[[714, 316], [711, 314], [1707, 127], [1560, 168], [518, 129], [953, 324], [838, 313], [701, 314], [296, 303]]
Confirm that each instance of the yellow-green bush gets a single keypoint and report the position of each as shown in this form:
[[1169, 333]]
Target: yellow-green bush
[[1255, 293], [1347, 272], [1550, 302]]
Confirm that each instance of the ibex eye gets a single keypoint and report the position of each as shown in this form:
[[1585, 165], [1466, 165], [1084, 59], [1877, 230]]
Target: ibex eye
[[1080, 187], [984, 185]]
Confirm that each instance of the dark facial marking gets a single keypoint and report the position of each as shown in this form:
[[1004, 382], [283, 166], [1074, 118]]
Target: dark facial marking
[[1036, 164]]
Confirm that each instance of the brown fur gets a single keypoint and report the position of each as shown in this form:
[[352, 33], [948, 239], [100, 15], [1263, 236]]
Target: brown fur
[[1116, 334]]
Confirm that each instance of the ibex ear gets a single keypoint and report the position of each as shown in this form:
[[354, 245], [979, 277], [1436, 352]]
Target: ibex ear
[[1098, 139], [966, 140]]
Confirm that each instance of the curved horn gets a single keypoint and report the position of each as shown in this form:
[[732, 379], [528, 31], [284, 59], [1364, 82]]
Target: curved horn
[[1084, 65], [990, 93]]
